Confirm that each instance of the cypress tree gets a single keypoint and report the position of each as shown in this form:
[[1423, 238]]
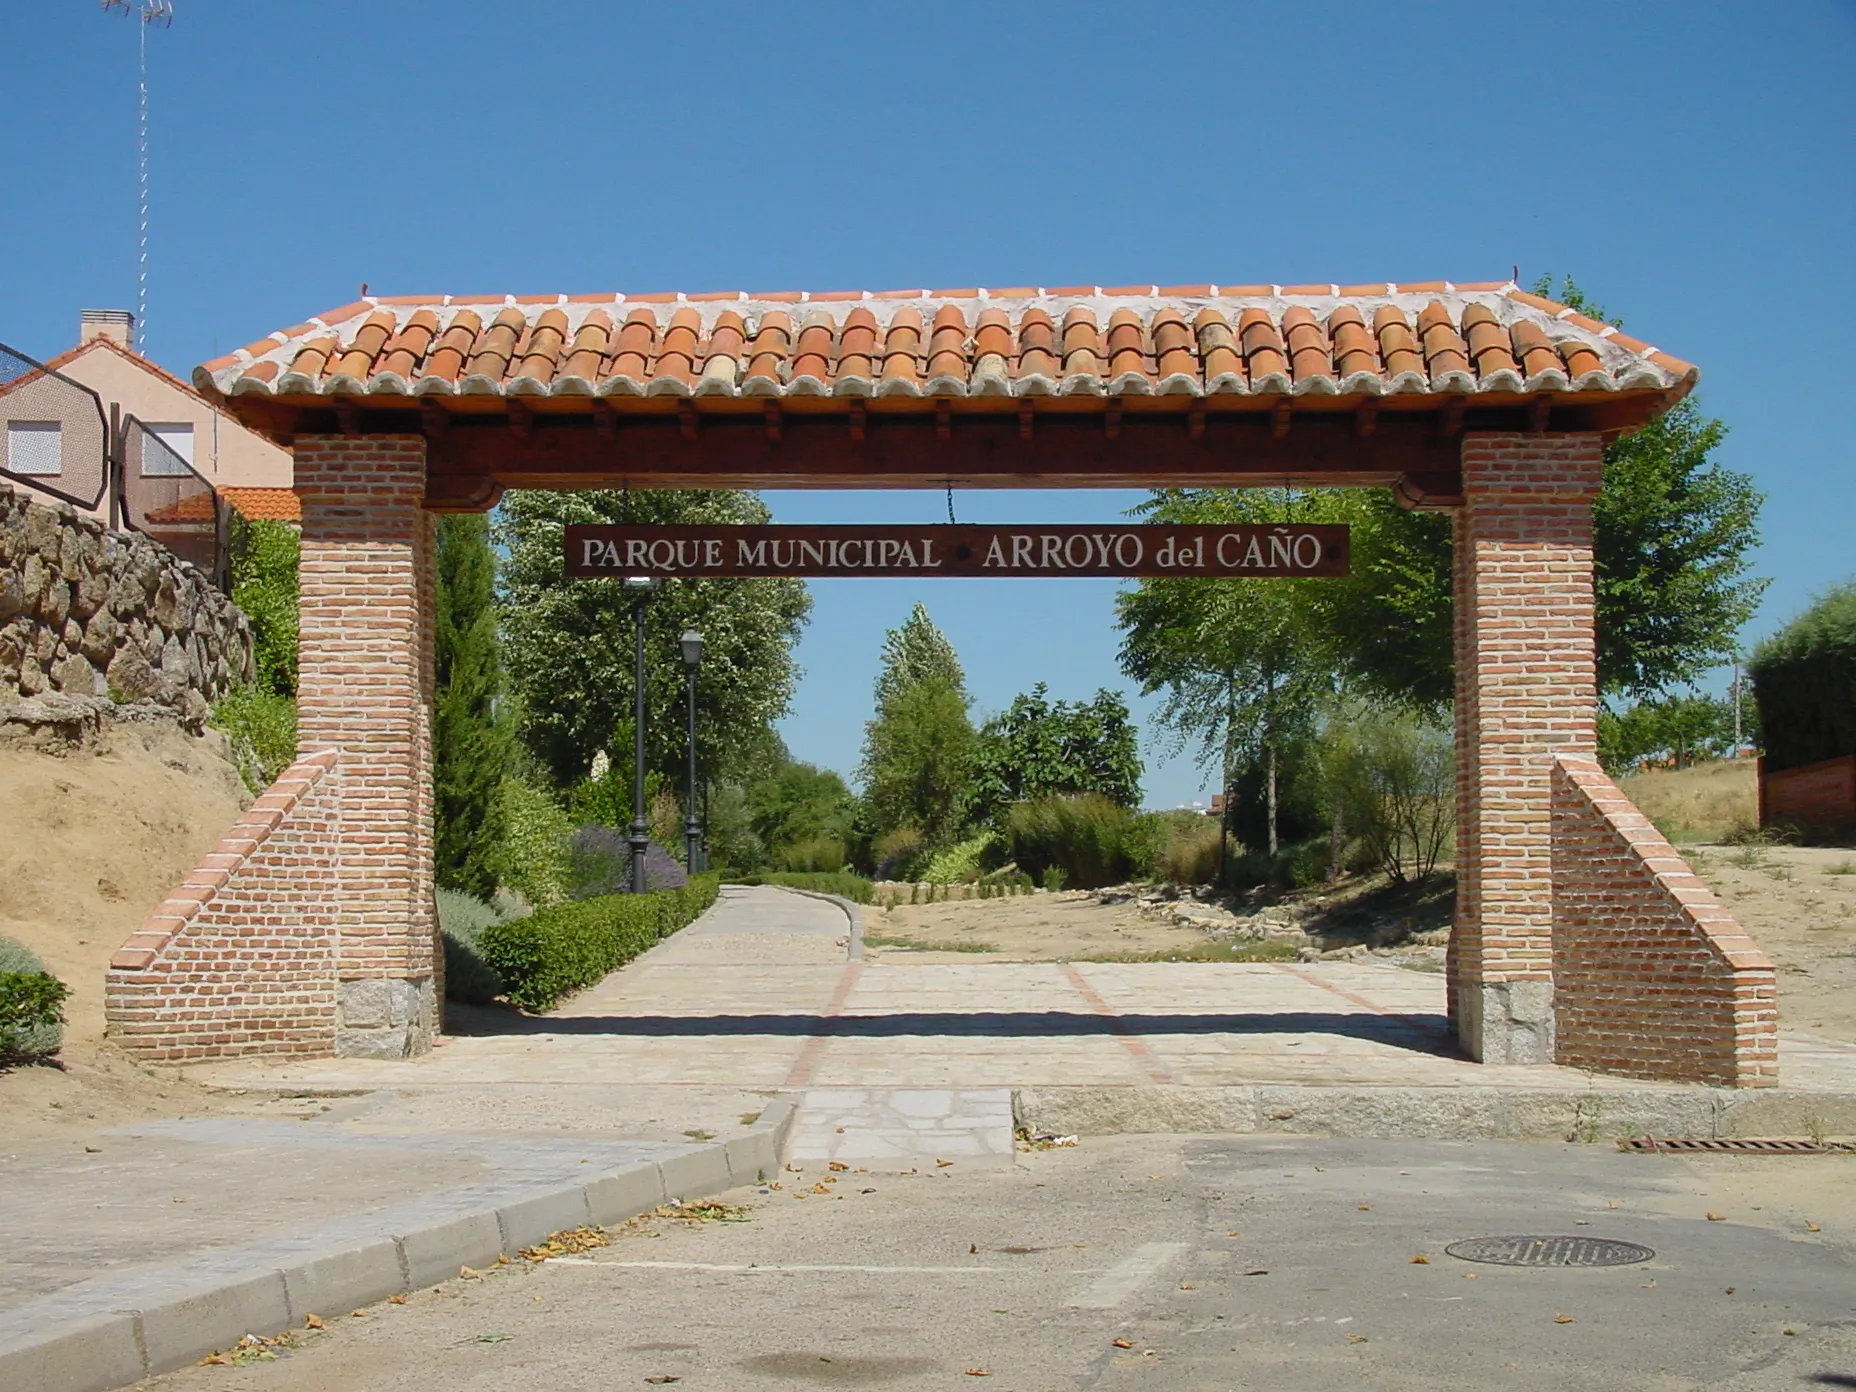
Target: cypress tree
[[470, 745]]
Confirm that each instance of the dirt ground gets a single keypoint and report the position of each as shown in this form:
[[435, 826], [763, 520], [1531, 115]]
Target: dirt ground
[[1798, 902], [91, 839], [1029, 928]]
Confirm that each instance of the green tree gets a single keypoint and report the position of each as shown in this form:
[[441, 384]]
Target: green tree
[[1245, 664], [470, 746], [917, 652], [1804, 683], [918, 761], [1042, 748], [797, 802], [568, 643], [1672, 536], [1680, 729], [265, 587]]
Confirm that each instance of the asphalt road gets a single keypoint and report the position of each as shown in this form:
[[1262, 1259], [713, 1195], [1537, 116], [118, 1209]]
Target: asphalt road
[[1160, 1263]]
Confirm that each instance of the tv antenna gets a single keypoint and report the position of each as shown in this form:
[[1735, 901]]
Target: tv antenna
[[149, 12]]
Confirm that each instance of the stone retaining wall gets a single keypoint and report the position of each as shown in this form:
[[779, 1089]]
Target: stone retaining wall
[[85, 611]]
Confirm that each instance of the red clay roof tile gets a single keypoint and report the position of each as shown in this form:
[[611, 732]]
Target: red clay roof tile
[[1378, 337]]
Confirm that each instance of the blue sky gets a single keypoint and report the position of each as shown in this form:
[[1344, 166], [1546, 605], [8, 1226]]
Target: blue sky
[[1691, 165]]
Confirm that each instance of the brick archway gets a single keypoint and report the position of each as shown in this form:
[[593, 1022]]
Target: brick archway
[[1580, 936]]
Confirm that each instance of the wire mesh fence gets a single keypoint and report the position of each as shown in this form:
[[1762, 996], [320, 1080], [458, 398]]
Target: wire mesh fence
[[54, 433], [160, 495]]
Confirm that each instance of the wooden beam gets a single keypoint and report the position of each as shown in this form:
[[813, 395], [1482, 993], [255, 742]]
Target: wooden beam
[[771, 414], [521, 417], [688, 421], [1539, 415], [1195, 421], [434, 419], [605, 419], [943, 420], [349, 415], [1111, 420], [1148, 451], [1279, 418], [1450, 420], [1025, 420], [461, 492], [860, 420], [1366, 417]]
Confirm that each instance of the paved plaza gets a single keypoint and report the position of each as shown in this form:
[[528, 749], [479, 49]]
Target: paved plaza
[[769, 991]]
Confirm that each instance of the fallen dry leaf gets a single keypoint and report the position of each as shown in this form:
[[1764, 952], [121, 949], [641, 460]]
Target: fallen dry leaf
[[1647, 1285], [664, 1377], [838, 1165], [1366, 1208], [469, 1275], [1356, 1338], [1812, 1227], [1610, 1204], [1420, 1260], [396, 1300], [1562, 1319], [1124, 1343], [1714, 1217], [1234, 1233], [1257, 1271], [1729, 1290], [1471, 1276], [866, 1191], [972, 1247], [357, 1314], [976, 1372], [1187, 1285], [943, 1164]]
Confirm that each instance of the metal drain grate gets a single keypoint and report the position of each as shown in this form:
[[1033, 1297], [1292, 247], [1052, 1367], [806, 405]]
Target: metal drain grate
[[1550, 1251], [1742, 1147]]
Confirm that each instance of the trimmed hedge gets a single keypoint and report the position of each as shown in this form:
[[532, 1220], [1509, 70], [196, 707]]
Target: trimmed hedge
[[556, 951], [842, 883], [1804, 683]]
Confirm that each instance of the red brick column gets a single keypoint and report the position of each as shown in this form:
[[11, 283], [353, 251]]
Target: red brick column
[[1526, 690], [364, 687]]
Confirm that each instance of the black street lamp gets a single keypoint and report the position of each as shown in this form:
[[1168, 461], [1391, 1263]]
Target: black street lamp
[[640, 588], [692, 825]]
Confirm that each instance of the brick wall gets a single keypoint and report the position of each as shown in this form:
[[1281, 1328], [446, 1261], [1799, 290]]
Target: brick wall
[[1652, 977], [241, 958], [364, 686], [1526, 688]]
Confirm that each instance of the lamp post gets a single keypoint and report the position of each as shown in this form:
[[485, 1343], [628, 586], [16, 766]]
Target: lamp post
[[640, 588], [692, 824]]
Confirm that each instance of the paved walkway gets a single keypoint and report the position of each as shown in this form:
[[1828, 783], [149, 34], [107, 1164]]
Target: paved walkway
[[766, 992]]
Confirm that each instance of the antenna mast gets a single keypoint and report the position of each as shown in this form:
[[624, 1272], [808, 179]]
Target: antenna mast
[[148, 12]]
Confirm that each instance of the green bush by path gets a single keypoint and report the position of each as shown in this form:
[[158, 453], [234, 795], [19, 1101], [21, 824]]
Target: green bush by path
[[844, 884], [462, 920], [534, 858], [31, 1004], [559, 950], [261, 726], [1084, 838]]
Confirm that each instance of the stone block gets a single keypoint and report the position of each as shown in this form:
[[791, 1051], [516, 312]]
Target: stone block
[[434, 1254], [338, 1281], [697, 1173], [93, 1355], [1796, 1116], [529, 1221], [623, 1194], [193, 1323]]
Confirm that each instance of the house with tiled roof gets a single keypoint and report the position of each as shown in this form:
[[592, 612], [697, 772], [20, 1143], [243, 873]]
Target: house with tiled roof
[[52, 437]]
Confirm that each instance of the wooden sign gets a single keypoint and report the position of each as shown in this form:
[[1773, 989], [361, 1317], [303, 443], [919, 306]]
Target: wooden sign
[[966, 550]]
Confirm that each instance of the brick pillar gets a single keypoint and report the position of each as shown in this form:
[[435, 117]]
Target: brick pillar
[[364, 687], [1526, 687]]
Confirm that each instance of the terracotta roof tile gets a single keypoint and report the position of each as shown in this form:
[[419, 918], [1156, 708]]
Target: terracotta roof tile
[[266, 504], [1380, 338]]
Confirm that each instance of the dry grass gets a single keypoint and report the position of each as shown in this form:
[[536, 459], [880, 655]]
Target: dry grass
[[1703, 803]]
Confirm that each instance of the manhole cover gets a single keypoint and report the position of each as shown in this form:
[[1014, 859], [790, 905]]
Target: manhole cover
[[1550, 1251]]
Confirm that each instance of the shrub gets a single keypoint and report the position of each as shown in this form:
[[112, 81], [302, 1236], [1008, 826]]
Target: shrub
[[600, 863], [533, 858], [900, 854], [1190, 850], [843, 883], [814, 855], [31, 1004], [462, 920], [1084, 836], [1804, 683], [559, 950], [1393, 783], [261, 726], [961, 862]]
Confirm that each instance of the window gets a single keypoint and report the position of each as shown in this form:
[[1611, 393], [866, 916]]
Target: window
[[176, 459], [34, 447]]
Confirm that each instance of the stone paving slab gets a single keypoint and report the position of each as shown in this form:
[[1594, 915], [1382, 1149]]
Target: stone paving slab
[[903, 1128]]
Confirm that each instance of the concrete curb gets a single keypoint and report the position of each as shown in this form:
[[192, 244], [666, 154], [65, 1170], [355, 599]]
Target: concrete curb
[[852, 910], [1437, 1113], [171, 1316]]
